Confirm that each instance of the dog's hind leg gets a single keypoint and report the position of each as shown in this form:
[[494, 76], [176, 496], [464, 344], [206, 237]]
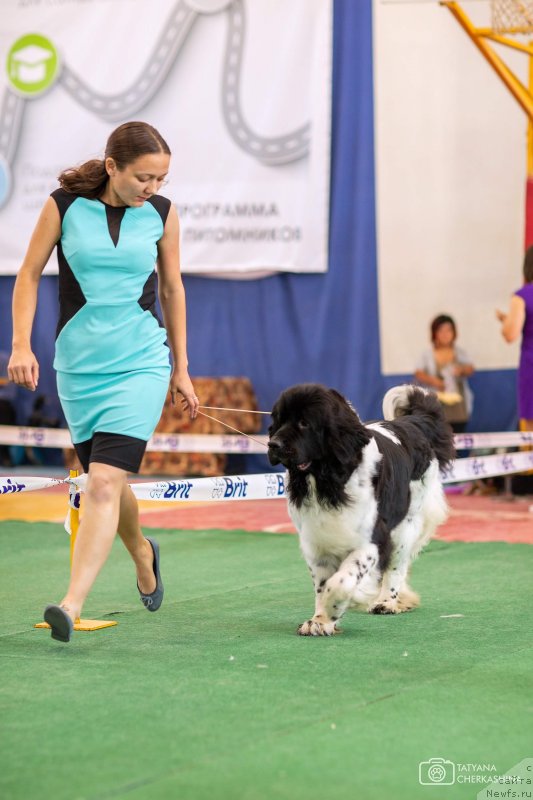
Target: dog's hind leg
[[427, 510], [338, 592], [396, 596]]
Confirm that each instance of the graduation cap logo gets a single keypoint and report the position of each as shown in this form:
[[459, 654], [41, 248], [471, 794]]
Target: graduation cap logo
[[32, 64]]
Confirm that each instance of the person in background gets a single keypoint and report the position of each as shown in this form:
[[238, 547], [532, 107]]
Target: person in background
[[445, 367], [519, 321], [110, 227], [8, 413]]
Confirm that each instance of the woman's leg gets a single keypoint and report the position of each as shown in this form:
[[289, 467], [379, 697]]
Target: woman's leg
[[97, 530], [138, 547]]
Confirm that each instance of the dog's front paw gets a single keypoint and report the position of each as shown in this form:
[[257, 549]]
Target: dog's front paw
[[315, 627]]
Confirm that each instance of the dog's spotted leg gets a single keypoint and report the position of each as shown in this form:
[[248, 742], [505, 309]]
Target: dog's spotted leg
[[396, 596], [342, 588], [338, 592], [387, 601], [319, 625]]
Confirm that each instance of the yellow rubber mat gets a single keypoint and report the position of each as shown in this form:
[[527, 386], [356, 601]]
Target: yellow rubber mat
[[50, 505]]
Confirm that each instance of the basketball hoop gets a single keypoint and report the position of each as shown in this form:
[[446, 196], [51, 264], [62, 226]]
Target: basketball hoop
[[512, 16]]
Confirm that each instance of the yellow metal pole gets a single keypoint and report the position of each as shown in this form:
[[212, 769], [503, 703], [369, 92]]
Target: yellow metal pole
[[74, 518], [74, 514], [515, 86], [530, 124]]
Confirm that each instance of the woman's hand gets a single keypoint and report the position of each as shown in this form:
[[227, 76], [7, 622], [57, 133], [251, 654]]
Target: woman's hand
[[513, 322], [180, 382], [23, 368]]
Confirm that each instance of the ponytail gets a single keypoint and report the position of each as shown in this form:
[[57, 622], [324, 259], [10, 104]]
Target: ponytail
[[88, 180], [125, 144]]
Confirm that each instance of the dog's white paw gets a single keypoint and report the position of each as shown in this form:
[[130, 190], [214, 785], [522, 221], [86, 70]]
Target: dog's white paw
[[396, 603], [315, 627], [408, 599], [391, 607]]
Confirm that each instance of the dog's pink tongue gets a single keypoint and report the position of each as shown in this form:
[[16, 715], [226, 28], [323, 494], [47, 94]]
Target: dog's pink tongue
[[304, 466]]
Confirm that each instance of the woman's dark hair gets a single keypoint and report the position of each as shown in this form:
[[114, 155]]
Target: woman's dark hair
[[125, 144], [442, 319], [528, 265]]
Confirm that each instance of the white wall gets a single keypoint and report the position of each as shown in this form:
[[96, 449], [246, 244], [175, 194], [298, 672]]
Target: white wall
[[451, 173]]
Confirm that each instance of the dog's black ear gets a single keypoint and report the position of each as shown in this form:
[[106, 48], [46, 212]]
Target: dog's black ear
[[274, 417], [347, 435], [344, 438], [343, 407], [340, 398]]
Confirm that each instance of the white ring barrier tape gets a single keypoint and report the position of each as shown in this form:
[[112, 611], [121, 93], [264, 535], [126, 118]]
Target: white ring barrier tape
[[22, 483], [468, 469], [159, 443], [266, 486], [206, 443], [473, 441], [216, 443]]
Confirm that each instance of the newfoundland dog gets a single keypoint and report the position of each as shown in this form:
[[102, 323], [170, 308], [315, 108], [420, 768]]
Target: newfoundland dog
[[365, 499]]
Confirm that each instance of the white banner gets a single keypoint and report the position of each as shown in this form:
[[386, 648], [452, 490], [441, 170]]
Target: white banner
[[240, 89]]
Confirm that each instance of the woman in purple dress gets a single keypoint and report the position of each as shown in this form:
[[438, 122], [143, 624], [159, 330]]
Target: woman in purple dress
[[519, 320]]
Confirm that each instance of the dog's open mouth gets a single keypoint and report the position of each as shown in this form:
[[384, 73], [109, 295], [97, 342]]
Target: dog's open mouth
[[303, 467]]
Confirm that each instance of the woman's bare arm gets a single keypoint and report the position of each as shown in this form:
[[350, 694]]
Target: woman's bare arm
[[23, 368]]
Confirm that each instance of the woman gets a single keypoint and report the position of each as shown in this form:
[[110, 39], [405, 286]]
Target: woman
[[445, 368], [111, 358], [519, 320]]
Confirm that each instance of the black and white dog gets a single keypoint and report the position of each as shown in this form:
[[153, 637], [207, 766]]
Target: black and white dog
[[365, 499]]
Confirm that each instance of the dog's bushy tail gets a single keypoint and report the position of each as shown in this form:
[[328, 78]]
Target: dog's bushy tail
[[409, 400]]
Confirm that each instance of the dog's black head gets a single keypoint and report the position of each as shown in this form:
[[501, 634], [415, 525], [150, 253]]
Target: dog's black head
[[316, 432]]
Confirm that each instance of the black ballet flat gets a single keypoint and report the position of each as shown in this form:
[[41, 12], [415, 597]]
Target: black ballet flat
[[153, 601], [60, 623]]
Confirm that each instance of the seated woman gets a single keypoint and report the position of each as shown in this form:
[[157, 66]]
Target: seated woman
[[445, 368]]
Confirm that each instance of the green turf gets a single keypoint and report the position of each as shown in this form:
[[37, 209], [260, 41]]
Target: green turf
[[215, 697]]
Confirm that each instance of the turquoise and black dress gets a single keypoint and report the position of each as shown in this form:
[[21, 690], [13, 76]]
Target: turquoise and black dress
[[111, 358]]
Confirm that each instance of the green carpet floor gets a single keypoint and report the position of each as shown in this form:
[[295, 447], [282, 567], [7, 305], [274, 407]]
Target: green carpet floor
[[215, 697]]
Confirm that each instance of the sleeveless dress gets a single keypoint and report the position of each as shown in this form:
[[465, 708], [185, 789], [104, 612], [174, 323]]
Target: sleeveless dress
[[111, 356], [525, 368]]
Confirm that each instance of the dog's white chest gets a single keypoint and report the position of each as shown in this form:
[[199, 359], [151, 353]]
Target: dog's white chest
[[337, 531]]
